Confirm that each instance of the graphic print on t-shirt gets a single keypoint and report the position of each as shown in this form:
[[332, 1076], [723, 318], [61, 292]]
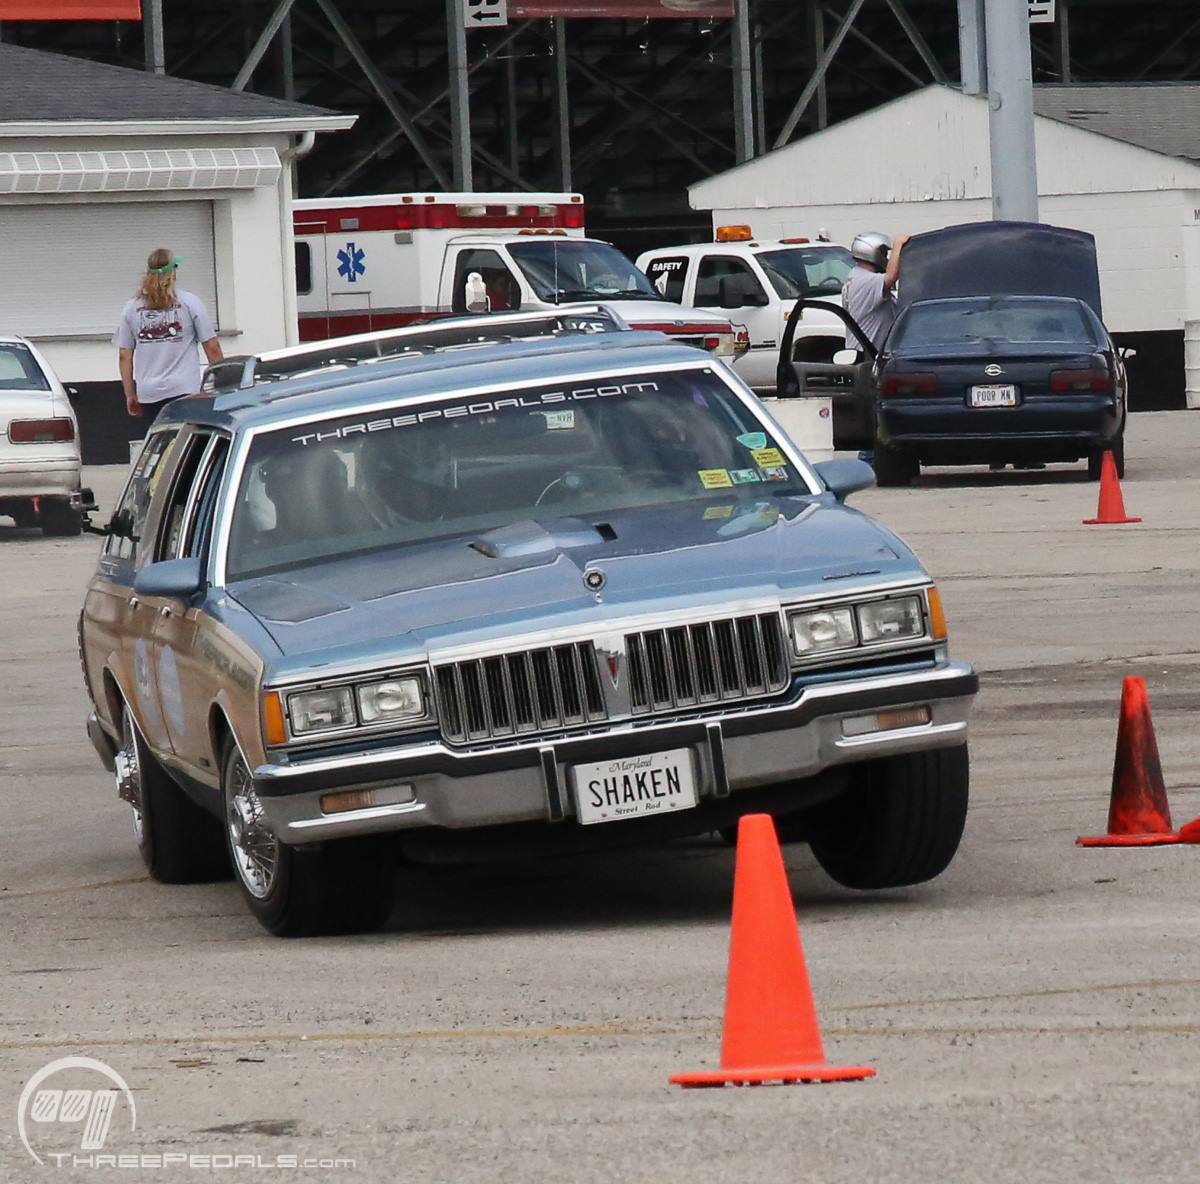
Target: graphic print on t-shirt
[[159, 324]]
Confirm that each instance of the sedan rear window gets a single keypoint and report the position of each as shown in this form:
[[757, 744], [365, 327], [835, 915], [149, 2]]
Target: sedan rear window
[[1021, 320], [389, 477], [18, 369]]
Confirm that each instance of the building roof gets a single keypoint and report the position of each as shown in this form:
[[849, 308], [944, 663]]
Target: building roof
[[930, 145], [42, 92], [1161, 116]]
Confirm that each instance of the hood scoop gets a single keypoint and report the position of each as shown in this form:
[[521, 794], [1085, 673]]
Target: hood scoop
[[523, 539]]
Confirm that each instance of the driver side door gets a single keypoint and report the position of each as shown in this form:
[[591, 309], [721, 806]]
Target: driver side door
[[728, 284]]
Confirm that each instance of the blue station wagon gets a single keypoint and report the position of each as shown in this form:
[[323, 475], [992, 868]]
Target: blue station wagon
[[545, 586]]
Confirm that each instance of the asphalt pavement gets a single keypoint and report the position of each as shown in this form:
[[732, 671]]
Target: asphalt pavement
[[1034, 1014]]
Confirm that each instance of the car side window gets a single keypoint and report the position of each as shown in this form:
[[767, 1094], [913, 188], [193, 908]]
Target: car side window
[[668, 275], [503, 291], [197, 531], [714, 269], [130, 518], [183, 494]]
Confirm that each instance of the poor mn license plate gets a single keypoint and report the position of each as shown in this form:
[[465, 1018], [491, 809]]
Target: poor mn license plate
[[635, 786], [997, 395]]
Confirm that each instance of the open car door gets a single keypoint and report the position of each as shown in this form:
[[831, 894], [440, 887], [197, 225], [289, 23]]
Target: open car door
[[851, 388]]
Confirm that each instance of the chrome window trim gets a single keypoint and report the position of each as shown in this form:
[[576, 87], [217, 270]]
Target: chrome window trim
[[244, 439]]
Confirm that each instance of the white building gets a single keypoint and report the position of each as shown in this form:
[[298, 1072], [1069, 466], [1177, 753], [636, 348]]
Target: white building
[[923, 162], [98, 166]]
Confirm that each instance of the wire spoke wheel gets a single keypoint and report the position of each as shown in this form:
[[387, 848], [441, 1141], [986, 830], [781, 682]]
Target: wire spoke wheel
[[129, 775], [255, 849]]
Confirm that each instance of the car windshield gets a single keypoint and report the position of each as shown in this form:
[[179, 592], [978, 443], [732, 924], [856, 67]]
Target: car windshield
[[368, 481], [561, 269], [1020, 320], [806, 271], [19, 370]]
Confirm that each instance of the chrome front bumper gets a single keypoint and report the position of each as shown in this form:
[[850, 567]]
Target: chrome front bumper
[[432, 785]]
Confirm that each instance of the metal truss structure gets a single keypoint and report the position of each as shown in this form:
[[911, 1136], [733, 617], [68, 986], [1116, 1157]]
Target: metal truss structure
[[628, 111]]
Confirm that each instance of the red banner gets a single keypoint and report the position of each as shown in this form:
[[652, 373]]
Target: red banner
[[70, 10], [636, 10]]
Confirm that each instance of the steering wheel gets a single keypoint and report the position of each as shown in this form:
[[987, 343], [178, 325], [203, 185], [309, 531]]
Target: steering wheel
[[584, 479]]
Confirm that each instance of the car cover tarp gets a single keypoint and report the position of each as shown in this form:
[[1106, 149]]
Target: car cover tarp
[[1000, 259]]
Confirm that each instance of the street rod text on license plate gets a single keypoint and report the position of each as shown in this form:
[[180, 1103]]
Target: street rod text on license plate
[[635, 786]]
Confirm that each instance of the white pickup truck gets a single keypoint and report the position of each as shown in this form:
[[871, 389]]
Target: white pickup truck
[[369, 263], [756, 282]]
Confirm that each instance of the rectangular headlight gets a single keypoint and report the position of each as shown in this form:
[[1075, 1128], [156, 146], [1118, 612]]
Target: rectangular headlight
[[824, 629], [891, 620], [395, 698], [321, 711]]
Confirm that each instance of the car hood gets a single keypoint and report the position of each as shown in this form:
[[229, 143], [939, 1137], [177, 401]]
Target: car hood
[[663, 315], [1000, 258], [710, 556]]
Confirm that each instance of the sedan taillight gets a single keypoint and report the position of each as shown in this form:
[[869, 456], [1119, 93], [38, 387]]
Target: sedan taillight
[[41, 431], [918, 383], [1080, 380]]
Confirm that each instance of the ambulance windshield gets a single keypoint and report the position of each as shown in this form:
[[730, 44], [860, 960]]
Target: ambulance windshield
[[564, 269]]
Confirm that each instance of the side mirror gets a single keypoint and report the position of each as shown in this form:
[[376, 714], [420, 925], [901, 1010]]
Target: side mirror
[[176, 579], [844, 477], [736, 291], [1127, 352], [845, 357], [475, 294]]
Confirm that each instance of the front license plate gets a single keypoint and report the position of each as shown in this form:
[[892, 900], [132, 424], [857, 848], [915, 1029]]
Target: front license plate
[[999, 395], [635, 786]]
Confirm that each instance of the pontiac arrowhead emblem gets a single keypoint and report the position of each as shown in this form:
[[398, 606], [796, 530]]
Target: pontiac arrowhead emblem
[[614, 668]]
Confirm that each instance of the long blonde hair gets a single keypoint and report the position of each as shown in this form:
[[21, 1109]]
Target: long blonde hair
[[157, 289]]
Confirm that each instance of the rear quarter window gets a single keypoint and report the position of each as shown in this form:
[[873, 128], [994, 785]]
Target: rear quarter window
[[668, 276]]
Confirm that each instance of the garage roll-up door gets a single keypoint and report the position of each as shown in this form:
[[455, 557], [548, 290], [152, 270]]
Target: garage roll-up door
[[67, 269]]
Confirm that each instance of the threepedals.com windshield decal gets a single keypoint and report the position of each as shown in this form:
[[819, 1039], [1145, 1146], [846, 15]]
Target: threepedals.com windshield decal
[[523, 402]]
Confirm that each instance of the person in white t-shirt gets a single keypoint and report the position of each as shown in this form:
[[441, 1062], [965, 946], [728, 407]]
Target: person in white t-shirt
[[868, 293], [157, 338]]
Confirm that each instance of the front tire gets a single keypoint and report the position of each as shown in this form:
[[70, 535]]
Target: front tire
[[899, 824], [179, 842], [340, 887]]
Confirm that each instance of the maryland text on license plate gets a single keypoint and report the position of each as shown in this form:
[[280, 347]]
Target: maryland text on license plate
[[999, 395], [635, 786]]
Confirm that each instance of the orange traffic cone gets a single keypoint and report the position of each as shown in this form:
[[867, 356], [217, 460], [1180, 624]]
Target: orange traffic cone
[[771, 1029], [1138, 815], [1111, 509], [1190, 831]]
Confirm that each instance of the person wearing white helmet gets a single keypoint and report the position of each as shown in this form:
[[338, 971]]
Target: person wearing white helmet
[[867, 294]]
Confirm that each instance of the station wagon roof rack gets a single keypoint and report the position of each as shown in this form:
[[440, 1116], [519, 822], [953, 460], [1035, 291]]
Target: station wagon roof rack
[[244, 371]]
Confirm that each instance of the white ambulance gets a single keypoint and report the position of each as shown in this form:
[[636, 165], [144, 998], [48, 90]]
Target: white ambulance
[[756, 282], [371, 263]]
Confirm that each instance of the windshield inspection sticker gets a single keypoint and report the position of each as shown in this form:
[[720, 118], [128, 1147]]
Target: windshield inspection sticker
[[776, 474], [753, 440], [557, 421], [768, 458], [718, 512], [744, 476], [714, 478]]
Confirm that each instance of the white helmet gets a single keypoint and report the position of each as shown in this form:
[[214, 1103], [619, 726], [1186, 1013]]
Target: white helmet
[[872, 247]]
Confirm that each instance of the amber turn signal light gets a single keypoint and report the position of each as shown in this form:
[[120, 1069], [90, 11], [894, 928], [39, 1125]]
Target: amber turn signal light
[[937, 616], [273, 725]]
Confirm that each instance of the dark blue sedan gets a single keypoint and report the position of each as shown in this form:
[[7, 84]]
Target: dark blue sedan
[[1001, 379]]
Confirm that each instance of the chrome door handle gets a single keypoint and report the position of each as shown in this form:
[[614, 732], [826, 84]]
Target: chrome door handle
[[164, 610], [134, 602]]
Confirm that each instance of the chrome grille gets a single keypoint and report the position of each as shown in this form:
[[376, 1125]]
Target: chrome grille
[[519, 694], [715, 662]]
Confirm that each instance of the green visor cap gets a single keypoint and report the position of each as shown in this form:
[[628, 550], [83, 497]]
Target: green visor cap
[[166, 268]]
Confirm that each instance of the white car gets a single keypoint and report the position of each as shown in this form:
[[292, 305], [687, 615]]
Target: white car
[[756, 282], [39, 443]]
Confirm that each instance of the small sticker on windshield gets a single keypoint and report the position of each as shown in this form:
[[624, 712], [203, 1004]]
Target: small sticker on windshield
[[776, 474], [753, 440], [744, 476], [768, 458], [717, 512], [557, 421], [714, 478]]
